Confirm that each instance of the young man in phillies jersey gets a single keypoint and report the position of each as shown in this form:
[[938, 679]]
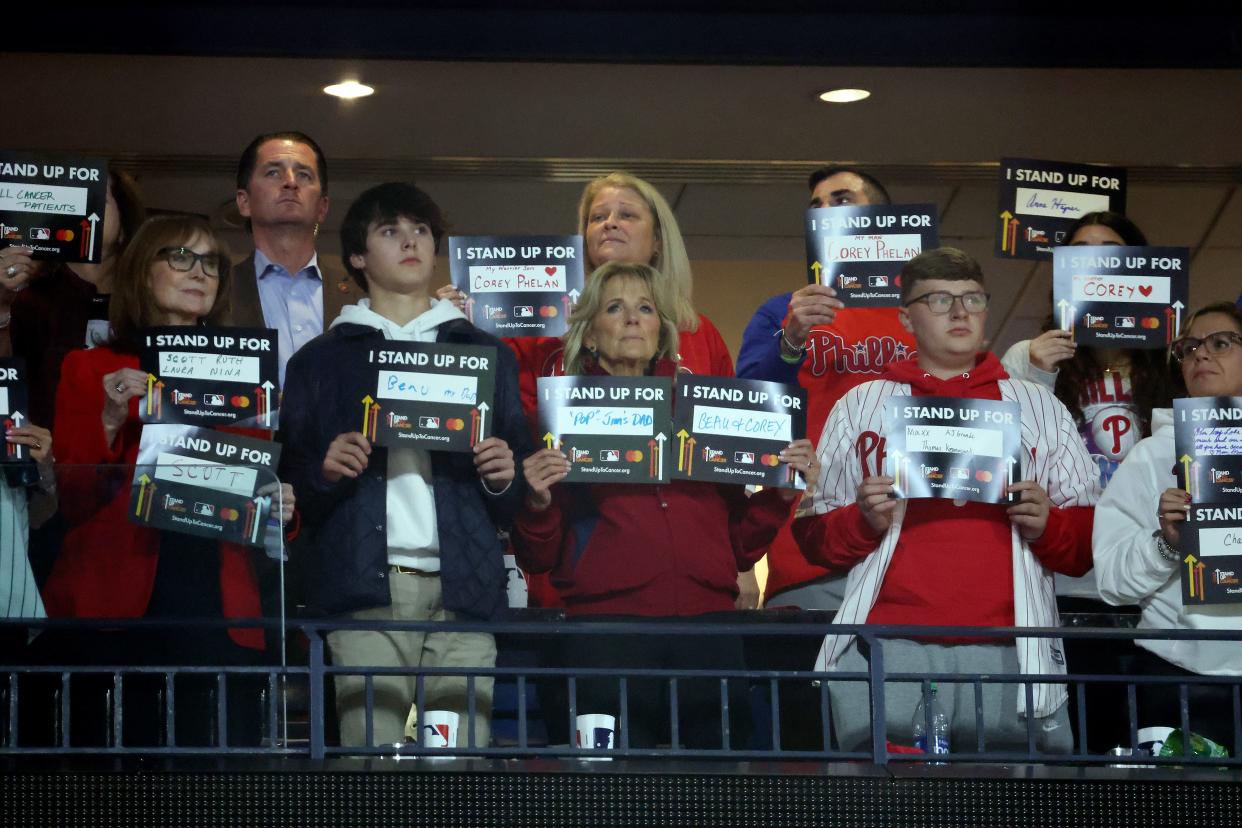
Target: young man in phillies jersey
[[940, 562], [808, 337]]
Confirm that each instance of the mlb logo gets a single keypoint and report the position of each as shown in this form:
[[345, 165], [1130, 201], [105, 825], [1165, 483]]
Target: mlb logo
[[1222, 476], [580, 456], [1123, 322], [743, 457], [182, 398], [712, 455], [205, 509], [609, 455], [877, 281], [40, 233], [214, 400], [497, 313], [959, 473], [428, 422], [848, 282], [523, 311]]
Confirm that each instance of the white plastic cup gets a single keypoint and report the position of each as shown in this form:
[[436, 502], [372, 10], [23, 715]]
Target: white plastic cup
[[438, 729], [1151, 739], [596, 731]]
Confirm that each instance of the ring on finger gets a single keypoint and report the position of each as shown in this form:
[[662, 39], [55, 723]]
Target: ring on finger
[[12, 270], [120, 387]]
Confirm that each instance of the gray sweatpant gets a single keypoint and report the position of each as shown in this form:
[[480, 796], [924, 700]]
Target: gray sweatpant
[[1003, 729]]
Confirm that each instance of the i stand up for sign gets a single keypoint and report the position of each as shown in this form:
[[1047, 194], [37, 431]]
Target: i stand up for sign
[[859, 251], [733, 430], [1208, 443], [53, 204], [13, 408], [950, 447], [431, 396], [612, 429], [1121, 297], [203, 482], [1041, 200], [520, 285], [210, 376]]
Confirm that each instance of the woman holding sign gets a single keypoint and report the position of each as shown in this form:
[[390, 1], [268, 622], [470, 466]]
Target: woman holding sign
[[1138, 534], [645, 551], [174, 272]]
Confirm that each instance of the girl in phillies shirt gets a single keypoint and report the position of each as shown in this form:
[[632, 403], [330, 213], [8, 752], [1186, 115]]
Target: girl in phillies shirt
[[1110, 392]]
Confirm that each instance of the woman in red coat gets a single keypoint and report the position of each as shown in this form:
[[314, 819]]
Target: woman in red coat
[[174, 272], [638, 551]]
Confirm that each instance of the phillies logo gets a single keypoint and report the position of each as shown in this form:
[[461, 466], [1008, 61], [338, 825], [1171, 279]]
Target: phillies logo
[[829, 352], [871, 452], [1117, 426]]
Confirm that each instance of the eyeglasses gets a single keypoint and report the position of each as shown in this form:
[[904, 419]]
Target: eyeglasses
[[183, 259], [1217, 344], [941, 302]]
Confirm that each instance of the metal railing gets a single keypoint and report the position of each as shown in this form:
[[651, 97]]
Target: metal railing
[[292, 702]]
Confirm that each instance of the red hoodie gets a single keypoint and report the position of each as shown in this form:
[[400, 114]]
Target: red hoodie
[[934, 576]]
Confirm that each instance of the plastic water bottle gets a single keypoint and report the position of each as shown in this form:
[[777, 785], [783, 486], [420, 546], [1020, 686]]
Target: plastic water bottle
[[939, 741]]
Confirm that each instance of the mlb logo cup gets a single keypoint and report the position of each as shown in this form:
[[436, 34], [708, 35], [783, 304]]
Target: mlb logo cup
[[595, 731]]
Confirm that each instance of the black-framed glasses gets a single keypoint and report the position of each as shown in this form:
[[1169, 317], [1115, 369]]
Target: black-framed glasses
[[941, 302], [183, 259], [1216, 344]]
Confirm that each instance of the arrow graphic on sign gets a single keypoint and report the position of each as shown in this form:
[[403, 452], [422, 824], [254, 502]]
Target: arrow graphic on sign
[[1010, 461], [573, 296], [1186, 461], [690, 443], [816, 271], [17, 448], [896, 456], [267, 388], [470, 307], [367, 402], [1005, 216], [482, 409], [658, 455], [93, 219], [1190, 560], [549, 440], [1178, 307], [143, 480], [681, 435], [1065, 314]]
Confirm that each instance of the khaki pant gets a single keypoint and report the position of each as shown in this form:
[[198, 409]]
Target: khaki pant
[[414, 598]]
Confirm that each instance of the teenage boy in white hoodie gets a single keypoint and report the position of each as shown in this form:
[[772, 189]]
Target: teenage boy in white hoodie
[[400, 534]]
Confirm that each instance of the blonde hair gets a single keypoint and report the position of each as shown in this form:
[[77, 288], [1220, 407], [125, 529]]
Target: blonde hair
[[672, 265], [592, 298]]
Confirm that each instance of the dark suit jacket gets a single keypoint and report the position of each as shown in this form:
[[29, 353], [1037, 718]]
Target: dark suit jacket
[[246, 310]]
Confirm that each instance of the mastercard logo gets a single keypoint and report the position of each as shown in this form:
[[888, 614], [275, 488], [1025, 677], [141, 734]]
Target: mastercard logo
[[770, 460], [634, 456], [1151, 322], [64, 235], [549, 311], [230, 514], [455, 424], [240, 402], [983, 476]]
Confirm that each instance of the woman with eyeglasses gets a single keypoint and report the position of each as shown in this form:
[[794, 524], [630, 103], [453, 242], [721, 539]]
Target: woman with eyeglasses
[[1137, 542], [175, 271]]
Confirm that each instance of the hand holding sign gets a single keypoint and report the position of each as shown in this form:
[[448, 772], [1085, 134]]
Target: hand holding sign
[[876, 501], [810, 306], [38, 440], [1030, 513], [800, 456], [16, 267], [543, 469], [119, 388], [347, 456], [1051, 348], [493, 459], [1172, 511]]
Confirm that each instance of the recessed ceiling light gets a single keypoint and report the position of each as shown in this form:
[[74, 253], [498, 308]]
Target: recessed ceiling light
[[349, 89], [844, 95]]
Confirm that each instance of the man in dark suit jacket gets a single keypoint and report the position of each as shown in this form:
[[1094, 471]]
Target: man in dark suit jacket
[[282, 191]]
